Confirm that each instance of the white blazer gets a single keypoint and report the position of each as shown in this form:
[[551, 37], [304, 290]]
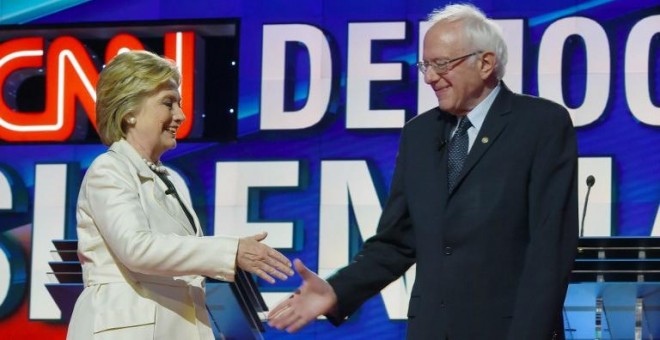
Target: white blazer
[[142, 264]]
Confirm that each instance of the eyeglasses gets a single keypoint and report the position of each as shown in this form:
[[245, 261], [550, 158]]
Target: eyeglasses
[[441, 67]]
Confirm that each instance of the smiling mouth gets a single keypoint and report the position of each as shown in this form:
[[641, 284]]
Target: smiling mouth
[[441, 89], [172, 130]]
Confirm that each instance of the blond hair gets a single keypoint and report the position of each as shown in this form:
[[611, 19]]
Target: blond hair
[[123, 84]]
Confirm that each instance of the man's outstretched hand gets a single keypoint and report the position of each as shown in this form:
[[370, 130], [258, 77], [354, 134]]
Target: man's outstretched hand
[[313, 298]]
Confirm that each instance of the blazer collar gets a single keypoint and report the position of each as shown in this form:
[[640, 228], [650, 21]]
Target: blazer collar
[[442, 126], [125, 149], [170, 206]]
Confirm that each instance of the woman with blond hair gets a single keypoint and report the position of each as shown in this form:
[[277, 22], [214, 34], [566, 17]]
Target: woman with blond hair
[[140, 244]]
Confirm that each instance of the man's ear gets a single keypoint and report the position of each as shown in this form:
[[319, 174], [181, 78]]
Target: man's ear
[[487, 64]]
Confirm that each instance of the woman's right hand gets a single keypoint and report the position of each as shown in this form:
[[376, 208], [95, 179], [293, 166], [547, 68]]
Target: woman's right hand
[[262, 260]]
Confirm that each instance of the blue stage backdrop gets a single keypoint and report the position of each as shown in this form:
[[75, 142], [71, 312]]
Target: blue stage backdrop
[[294, 113]]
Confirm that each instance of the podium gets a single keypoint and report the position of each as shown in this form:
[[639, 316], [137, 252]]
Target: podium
[[615, 289], [236, 309]]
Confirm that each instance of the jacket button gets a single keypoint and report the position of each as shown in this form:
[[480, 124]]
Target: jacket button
[[448, 250]]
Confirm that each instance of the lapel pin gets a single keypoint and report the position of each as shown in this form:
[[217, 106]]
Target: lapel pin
[[484, 140]]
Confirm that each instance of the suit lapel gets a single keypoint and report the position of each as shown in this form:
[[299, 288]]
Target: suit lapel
[[495, 122], [171, 206], [184, 218], [168, 204], [445, 122], [194, 216]]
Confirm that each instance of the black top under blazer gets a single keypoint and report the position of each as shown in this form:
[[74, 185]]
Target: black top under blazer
[[494, 256]]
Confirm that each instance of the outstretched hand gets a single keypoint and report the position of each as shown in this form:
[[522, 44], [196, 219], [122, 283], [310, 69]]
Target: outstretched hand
[[262, 260], [313, 298]]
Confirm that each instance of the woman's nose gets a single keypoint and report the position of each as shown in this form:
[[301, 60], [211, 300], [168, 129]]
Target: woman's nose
[[179, 115]]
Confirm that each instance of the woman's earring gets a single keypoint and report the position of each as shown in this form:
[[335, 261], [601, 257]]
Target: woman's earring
[[131, 120]]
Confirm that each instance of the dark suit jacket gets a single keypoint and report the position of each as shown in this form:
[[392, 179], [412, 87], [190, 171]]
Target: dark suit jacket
[[494, 256]]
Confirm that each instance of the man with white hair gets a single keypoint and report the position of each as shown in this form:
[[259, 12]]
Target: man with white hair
[[483, 199]]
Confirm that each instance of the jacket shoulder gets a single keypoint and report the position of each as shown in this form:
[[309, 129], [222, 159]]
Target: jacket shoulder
[[109, 158], [541, 111], [538, 105], [423, 120]]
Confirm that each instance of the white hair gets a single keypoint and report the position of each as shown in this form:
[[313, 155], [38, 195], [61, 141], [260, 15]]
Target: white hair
[[480, 32]]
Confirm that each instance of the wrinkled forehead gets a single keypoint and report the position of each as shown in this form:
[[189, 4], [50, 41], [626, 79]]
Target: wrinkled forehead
[[445, 31], [444, 39]]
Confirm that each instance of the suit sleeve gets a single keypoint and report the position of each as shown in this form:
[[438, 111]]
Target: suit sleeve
[[111, 197], [384, 257], [553, 229]]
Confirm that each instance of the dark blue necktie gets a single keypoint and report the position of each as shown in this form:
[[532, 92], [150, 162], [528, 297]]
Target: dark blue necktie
[[458, 149]]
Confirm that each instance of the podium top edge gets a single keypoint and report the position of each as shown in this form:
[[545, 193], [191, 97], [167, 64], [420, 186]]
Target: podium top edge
[[639, 242]]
